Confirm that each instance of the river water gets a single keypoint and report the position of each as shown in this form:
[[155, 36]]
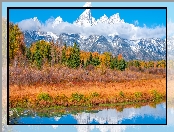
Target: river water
[[143, 115]]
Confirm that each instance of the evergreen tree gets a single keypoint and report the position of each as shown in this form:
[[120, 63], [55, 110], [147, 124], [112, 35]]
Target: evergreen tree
[[114, 63], [121, 65], [95, 61], [40, 53], [47, 52], [63, 57], [37, 56], [74, 59], [28, 53], [89, 60]]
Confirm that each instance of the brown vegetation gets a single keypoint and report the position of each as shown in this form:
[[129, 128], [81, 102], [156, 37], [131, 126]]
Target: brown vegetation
[[58, 74], [87, 93]]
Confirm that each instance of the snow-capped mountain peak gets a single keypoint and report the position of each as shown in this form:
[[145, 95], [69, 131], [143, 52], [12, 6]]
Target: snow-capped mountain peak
[[36, 22], [85, 19], [57, 21], [115, 19], [103, 19], [142, 49], [35, 19], [131, 48]]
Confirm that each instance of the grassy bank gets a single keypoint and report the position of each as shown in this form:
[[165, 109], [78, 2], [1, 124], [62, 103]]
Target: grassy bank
[[87, 93]]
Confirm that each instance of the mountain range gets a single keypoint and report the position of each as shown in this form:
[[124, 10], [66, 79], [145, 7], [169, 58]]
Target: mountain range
[[140, 49]]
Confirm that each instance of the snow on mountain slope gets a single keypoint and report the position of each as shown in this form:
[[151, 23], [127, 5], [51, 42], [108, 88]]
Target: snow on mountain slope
[[57, 21], [115, 19], [103, 19], [146, 49], [85, 19]]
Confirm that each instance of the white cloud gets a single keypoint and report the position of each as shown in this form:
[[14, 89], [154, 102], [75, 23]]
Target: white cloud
[[29, 24], [125, 30]]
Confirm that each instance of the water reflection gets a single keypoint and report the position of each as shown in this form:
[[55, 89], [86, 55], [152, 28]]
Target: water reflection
[[143, 115], [127, 116]]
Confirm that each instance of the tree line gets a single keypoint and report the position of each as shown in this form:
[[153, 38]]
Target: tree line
[[43, 53]]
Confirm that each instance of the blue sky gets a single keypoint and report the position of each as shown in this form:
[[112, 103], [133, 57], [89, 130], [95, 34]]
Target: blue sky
[[138, 23], [149, 17]]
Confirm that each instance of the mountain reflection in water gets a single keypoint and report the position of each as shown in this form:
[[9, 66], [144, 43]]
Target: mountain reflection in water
[[143, 115]]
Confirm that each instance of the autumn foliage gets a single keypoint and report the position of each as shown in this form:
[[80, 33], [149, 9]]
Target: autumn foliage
[[51, 53], [52, 73], [87, 94]]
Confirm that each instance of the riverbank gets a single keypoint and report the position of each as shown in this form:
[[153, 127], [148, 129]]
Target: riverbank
[[61, 110], [87, 93]]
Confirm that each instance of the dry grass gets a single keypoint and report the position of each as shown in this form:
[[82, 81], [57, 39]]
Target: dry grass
[[108, 92], [64, 86], [88, 87]]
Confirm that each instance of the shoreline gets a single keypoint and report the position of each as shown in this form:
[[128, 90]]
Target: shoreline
[[87, 94], [61, 110]]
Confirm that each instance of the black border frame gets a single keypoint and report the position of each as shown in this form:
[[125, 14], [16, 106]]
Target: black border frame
[[8, 8]]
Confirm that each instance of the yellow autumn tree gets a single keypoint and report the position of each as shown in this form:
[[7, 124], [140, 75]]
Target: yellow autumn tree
[[16, 43], [68, 52]]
